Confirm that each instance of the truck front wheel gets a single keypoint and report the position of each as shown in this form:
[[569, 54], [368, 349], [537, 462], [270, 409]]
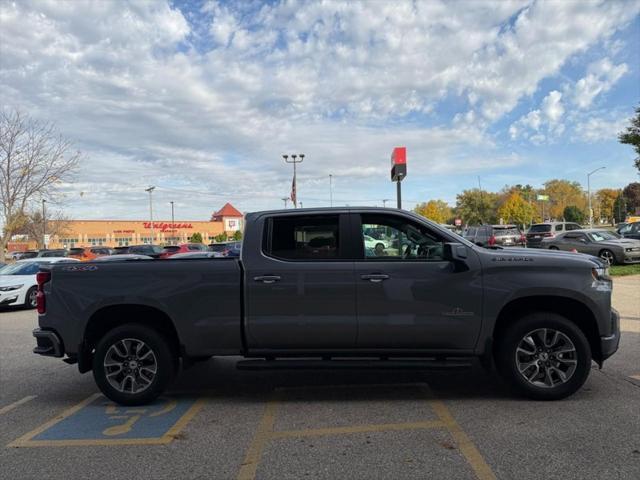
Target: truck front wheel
[[544, 356], [133, 364]]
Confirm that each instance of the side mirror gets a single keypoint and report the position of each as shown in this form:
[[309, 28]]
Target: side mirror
[[453, 252]]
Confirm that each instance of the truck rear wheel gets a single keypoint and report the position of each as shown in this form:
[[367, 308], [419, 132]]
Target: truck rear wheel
[[133, 364], [544, 356]]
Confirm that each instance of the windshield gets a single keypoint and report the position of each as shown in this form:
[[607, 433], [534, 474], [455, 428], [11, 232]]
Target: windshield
[[501, 232], [602, 235], [27, 268], [541, 227]]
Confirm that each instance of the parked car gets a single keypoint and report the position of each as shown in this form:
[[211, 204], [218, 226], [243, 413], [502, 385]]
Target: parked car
[[178, 256], [153, 251], [85, 254], [539, 231], [18, 285], [121, 258], [630, 230], [171, 250], [57, 253], [495, 235], [541, 316], [607, 245], [25, 255], [370, 242], [228, 249]]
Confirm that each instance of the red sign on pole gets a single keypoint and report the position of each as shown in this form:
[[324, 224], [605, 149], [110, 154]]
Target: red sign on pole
[[398, 164]]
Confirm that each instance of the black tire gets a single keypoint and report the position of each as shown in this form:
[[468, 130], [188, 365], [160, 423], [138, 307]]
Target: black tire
[[511, 339], [30, 298], [553, 248], [165, 363], [607, 256], [380, 244]]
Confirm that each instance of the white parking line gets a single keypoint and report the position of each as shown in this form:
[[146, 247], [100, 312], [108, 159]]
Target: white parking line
[[11, 406]]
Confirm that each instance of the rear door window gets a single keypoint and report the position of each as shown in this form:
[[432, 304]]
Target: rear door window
[[573, 226], [558, 227], [540, 228], [304, 238]]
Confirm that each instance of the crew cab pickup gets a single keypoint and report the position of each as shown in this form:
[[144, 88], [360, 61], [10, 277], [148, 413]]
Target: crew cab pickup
[[309, 292]]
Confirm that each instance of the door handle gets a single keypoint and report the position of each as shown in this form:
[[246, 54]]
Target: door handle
[[267, 278], [375, 277]]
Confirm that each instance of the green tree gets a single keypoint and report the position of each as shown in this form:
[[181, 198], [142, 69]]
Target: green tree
[[604, 204], [631, 136], [619, 209], [221, 237], [477, 206], [563, 193], [237, 236], [516, 209], [573, 214], [196, 238], [436, 210]]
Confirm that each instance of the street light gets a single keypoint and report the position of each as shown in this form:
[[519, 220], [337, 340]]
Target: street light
[[285, 200], [150, 190], [44, 226], [172, 215], [294, 160], [589, 193], [330, 190]]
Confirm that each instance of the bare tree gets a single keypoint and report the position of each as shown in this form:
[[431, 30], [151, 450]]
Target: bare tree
[[33, 226], [34, 158]]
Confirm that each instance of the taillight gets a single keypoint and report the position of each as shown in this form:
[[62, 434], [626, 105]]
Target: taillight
[[523, 238], [492, 240], [41, 279]]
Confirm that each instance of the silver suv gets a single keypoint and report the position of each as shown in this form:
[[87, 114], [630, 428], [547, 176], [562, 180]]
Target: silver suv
[[538, 231]]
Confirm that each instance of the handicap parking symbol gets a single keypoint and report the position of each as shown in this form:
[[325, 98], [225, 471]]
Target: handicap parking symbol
[[98, 421]]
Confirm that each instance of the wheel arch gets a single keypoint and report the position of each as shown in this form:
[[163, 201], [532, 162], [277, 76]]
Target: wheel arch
[[109, 317], [574, 310]]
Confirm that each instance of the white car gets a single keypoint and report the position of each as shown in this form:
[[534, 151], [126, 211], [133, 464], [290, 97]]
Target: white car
[[370, 242], [18, 284]]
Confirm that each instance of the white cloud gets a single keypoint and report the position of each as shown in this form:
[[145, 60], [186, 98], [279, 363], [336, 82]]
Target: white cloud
[[596, 129], [152, 101], [539, 125], [601, 76]]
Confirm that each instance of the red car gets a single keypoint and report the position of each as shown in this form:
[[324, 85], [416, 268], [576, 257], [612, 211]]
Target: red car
[[182, 248]]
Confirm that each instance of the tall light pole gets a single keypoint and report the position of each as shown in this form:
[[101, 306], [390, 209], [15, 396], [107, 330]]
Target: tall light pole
[[589, 193], [330, 190], [44, 225], [384, 201], [295, 161], [172, 215], [150, 190], [285, 200]]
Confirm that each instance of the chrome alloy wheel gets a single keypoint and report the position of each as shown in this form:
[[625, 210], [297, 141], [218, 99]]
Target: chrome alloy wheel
[[130, 365], [607, 257], [546, 357], [33, 299]]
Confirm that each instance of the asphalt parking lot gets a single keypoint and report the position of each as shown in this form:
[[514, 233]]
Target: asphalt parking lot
[[221, 423]]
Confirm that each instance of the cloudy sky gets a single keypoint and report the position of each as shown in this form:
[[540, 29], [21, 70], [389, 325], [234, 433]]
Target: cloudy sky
[[201, 98]]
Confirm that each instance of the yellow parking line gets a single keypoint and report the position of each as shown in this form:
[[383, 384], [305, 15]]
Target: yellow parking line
[[382, 427], [263, 433], [468, 449], [11, 406]]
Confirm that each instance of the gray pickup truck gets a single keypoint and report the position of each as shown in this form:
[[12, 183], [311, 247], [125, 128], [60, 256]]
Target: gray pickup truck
[[334, 288]]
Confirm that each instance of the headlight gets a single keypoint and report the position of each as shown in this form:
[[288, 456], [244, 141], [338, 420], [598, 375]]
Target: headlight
[[10, 288], [600, 273]]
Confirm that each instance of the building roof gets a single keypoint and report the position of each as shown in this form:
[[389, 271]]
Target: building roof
[[227, 211]]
